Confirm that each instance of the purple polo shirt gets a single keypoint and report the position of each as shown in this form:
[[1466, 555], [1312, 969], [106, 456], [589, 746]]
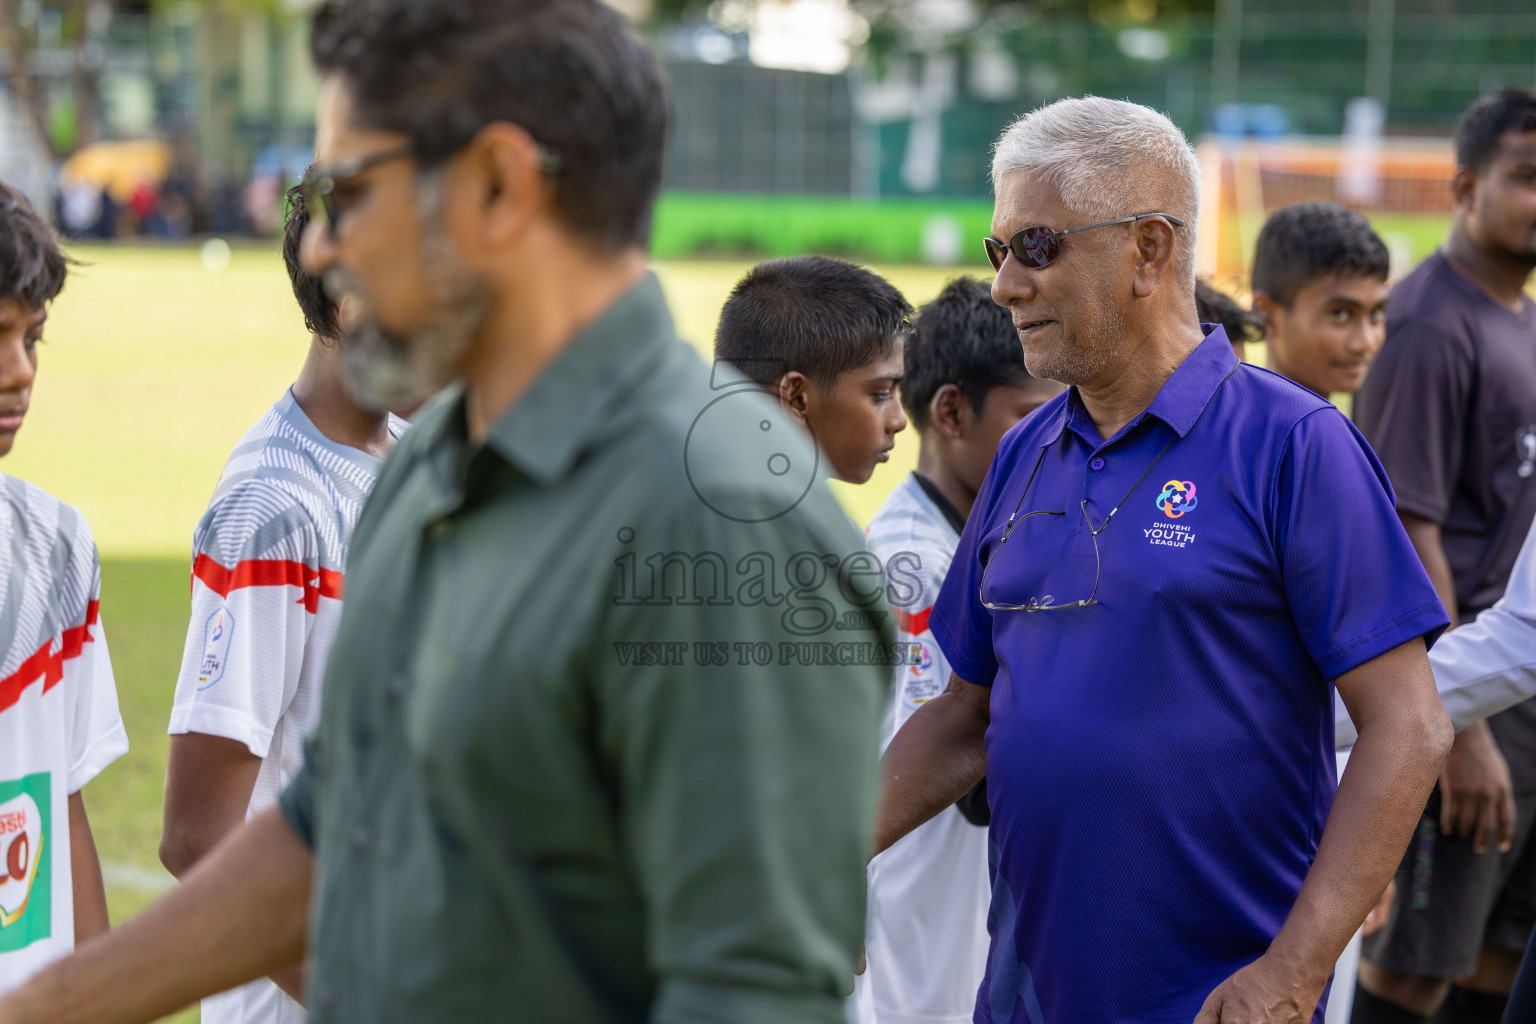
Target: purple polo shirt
[[1160, 764]]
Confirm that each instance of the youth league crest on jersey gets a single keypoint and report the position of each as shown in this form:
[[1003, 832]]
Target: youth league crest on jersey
[[1176, 499], [216, 636], [26, 899]]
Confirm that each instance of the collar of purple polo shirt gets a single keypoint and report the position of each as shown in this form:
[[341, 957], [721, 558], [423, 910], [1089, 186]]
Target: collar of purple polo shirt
[[1160, 764]]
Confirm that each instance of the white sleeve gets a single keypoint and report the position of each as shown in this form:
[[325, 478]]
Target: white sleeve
[[255, 586], [913, 581], [97, 737], [1490, 663]]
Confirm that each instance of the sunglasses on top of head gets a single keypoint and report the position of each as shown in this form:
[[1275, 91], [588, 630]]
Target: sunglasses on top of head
[[1038, 246]]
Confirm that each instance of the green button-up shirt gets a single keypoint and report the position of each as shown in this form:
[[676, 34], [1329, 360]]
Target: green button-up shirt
[[599, 730]]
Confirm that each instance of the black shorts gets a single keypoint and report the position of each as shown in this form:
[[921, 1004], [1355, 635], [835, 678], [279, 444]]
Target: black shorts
[[1452, 902]]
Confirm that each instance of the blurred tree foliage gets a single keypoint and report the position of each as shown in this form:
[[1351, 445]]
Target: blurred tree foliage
[[899, 11], [50, 39]]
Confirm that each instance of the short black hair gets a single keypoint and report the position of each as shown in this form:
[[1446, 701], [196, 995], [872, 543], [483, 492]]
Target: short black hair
[[320, 314], [1305, 241], [962, 338], [809, 314], [1483, 123], [32, 266], [572, 73], [1217, 307]]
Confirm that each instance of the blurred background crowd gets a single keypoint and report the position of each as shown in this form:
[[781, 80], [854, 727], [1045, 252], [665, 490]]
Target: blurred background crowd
[[858, 127]]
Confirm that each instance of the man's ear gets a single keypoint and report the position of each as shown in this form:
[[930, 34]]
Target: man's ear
[[795, 395], [950, 413], [1264, 310], [1154, 253], [1464, 186], [504, 183]]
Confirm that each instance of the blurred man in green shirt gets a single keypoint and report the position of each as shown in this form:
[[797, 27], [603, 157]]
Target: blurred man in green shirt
[[600, 721]]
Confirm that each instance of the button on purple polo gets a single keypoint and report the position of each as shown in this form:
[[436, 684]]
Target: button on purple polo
[[1097, 463], [1160, 764]]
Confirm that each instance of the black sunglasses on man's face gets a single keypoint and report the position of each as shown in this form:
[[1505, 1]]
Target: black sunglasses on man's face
[[1038, 246], [320, 185]]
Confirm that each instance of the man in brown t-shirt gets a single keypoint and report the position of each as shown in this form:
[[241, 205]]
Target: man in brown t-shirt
[[1450, 407]]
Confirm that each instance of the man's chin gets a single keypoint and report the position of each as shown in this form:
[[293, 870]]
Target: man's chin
[[383, 382]]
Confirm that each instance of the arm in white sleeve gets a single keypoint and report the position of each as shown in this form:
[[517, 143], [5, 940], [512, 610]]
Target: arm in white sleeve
[[1490, 664]]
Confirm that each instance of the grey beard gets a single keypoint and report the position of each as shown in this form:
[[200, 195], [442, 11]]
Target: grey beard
[[384, 369]]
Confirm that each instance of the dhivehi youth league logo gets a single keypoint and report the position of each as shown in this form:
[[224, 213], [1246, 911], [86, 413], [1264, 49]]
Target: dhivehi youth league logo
[[1178, 497]]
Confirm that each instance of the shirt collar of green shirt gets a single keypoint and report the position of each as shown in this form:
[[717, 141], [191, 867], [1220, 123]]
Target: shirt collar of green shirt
[[547, 429]]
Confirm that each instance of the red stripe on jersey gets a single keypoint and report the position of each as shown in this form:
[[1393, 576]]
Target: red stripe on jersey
[[270, 572], [46, 663], [913, 623]]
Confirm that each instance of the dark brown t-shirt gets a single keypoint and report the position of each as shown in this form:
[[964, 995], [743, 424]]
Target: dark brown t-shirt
[[1450, 407]]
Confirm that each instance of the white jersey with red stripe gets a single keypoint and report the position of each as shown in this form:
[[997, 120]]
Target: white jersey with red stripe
[[59, 721], [926, 937], [269, 561]]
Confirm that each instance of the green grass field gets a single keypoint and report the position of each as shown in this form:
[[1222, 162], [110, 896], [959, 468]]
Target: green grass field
[[154, 366]]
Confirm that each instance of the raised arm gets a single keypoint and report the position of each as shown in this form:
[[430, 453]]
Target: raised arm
[[935, 758]]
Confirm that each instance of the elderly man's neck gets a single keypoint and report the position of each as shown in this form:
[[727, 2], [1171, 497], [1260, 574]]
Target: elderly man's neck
[[1125, 388]]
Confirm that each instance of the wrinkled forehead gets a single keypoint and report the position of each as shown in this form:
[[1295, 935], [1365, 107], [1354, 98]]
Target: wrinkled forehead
[[1025, 198]]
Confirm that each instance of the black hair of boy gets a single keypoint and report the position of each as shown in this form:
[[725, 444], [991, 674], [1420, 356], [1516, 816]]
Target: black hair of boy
[[962, 338], [32, 266], [1481, 125], [1214, 306], [320, 314], [809, 314], [1305, 241]]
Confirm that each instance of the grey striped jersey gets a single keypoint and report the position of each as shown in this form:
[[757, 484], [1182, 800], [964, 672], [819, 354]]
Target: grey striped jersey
[[269, 562]]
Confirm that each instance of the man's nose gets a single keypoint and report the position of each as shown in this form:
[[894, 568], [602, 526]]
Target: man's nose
[[1366, 337], [898, 420], [317, 249], [1013, 283], [17, 370]]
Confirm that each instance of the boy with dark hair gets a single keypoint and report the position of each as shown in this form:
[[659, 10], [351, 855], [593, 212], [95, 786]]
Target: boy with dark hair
[[965, 386], [1320, 297], [59, 721], [1320, 290], [269, 563], [1450, 408], [826, 337]]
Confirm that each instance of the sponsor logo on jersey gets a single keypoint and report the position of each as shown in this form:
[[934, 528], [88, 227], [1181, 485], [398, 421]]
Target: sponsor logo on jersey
[[216, 636], [26, 876]]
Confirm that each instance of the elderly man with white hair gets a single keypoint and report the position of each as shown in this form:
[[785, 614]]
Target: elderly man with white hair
[[1167, 572]]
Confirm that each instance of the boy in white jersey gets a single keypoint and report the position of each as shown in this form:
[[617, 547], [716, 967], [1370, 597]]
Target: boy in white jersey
[[269, 563], [965, 385], [59, 723]]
